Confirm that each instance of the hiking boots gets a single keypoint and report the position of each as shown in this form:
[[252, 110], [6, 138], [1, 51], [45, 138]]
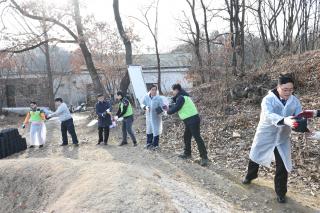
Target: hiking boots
[[30, 147], [135, 144], [40, 146]]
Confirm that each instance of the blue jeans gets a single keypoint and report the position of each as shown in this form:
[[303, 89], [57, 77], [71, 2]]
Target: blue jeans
[[127, 128], [68, 126]]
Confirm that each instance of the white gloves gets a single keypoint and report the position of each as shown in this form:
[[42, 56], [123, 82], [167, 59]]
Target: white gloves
[[120, 119], [115, 118], [108, 111], [290, 122]]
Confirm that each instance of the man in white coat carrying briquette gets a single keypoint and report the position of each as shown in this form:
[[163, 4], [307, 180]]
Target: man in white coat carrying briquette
[[272, 138]]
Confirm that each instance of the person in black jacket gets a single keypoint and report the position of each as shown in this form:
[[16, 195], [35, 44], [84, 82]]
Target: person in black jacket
[[187, 112], [103, 110]]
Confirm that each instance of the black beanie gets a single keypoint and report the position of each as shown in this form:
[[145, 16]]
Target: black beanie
[[120, 93]]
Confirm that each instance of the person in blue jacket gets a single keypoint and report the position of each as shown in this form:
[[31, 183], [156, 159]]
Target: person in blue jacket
[[103, 110]]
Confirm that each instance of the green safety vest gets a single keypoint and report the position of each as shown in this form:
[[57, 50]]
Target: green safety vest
[[188, 109], [35, 116], [129, 111]]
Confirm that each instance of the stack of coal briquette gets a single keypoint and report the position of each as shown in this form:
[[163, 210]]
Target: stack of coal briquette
[[11, 142]]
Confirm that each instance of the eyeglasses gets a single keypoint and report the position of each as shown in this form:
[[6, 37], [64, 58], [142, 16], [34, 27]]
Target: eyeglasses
[[287, 89]]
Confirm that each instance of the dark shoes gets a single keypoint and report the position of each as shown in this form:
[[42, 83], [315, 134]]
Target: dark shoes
[[123, 143], [64, 144], [105, 143], [40, 146], [204, 162], [153, 148], [184, 156], [126, 143], [281, 199], [147, 146], [246, 181], [30, 147], [76, 144]]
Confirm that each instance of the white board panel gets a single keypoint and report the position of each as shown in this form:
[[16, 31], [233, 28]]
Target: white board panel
[[137, 82]]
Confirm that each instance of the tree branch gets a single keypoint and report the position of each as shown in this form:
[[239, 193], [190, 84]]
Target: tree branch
[[11, 50], [40, 18]]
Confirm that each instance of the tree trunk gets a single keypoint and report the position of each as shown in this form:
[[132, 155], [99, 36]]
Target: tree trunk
[[197, 38], [125, 81], [48, 67], [262, 32], [242, 53], [233, 40], [158, 66], [206, 27], [97, 85]]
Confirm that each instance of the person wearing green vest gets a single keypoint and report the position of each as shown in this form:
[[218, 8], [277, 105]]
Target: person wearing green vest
[[188, 113], [36, 118], [125, 111]]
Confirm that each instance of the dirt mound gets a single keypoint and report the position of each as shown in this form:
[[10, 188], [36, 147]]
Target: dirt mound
[[61, 185]]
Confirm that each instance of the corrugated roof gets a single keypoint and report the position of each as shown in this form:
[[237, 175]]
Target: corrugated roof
[[166, 60]]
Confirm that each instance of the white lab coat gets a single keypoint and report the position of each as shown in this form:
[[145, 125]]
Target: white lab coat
[[153, 119], [270, 134]]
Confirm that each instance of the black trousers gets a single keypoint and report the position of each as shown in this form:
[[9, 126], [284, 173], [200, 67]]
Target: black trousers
[[68, 126], [280, 178], [193, 130], [103, 134]]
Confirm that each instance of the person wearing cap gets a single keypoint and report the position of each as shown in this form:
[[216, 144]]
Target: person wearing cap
[[103, 110], [153, 106], [272, 138], [36, 118], [66, 119], [125, 112], [188, 113]]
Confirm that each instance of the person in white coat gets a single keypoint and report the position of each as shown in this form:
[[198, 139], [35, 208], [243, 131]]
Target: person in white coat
[[153, 104], [272, 138]]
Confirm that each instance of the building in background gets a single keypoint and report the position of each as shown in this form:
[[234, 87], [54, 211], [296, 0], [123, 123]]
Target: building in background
[[75, 87], [174, 69]]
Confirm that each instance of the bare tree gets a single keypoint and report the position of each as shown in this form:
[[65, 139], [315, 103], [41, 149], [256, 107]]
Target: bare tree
[[236, 32], [154, 33], [48, 66], [78, 37], [125, 81]]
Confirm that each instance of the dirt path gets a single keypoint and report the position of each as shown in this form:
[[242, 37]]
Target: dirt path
[[92, 178]]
